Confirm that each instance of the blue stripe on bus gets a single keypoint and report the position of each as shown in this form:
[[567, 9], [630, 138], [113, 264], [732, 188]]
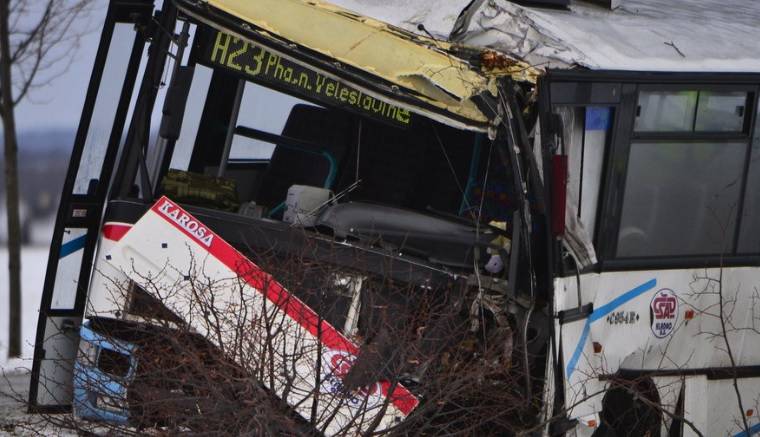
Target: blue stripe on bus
[[600, 312], [754, 429], [72, 246]]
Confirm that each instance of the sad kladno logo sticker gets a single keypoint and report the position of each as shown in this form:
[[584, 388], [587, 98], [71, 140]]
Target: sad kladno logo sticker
[[335, 367], [663, 312]]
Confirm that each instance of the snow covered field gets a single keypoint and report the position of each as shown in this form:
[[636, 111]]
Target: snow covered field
[[14, 374], [33, 263]]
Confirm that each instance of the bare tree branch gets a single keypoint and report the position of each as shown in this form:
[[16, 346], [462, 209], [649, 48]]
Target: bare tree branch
[[29, 37]]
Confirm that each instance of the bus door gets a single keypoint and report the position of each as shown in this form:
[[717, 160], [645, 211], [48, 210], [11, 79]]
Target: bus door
[[84, 193]]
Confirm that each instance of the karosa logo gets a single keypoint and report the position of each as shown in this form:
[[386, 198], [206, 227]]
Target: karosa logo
[[192, 226]]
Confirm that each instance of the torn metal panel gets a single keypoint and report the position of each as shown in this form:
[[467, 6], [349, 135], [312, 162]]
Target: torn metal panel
[[167, 246], [436, 16], [432, 18], [640, 35]]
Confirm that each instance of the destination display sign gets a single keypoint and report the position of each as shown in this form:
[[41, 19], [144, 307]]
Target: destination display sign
[[257, 64]]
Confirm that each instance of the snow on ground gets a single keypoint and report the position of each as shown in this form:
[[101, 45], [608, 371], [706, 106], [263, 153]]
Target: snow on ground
[[33, 263], [14, 374]]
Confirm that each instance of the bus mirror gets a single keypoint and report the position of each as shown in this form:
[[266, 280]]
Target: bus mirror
[[174, 106]]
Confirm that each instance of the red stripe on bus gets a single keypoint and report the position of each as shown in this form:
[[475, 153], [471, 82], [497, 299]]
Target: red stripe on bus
[[114, 231], [258, 279]]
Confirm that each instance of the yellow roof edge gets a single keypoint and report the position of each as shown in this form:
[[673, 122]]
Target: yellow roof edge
[[392, 54], [519, 70], [471, 124]]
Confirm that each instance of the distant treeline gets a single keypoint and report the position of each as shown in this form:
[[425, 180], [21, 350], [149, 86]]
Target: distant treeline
[[43, 159]]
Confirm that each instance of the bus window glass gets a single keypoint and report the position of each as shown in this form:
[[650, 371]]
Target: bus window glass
[[104, 111], [281, 141], [183, 148], [265, 110], [250, 149], [681, 198], [720, 111], [597, 127], [666, 111], [749, 239], [691, 111]]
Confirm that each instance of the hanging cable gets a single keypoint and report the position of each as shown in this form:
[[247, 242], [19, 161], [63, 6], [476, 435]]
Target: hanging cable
[[448, 161], [476, 268]]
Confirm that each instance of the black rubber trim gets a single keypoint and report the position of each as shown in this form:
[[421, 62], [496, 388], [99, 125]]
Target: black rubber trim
[[644, 77], [48, 409], [575, 314], [712, 373]]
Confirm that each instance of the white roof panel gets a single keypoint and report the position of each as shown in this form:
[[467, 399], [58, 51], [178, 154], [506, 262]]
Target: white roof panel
[[438, 16], [653, 35]]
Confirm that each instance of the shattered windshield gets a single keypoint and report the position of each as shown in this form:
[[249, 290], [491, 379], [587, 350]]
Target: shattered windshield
[[265, 154]]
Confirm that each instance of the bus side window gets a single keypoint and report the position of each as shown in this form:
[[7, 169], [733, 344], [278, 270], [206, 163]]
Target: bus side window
[[683, 189], [749, 239], [183, 148]]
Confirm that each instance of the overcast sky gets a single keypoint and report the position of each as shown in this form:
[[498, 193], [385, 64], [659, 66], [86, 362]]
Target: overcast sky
[[59, 103]]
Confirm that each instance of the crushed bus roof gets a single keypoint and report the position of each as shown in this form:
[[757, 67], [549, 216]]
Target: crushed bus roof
[[640, 35], [416, 65], [412, 66]]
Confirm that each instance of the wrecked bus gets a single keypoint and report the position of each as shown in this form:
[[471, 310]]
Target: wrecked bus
[[590, 212]]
